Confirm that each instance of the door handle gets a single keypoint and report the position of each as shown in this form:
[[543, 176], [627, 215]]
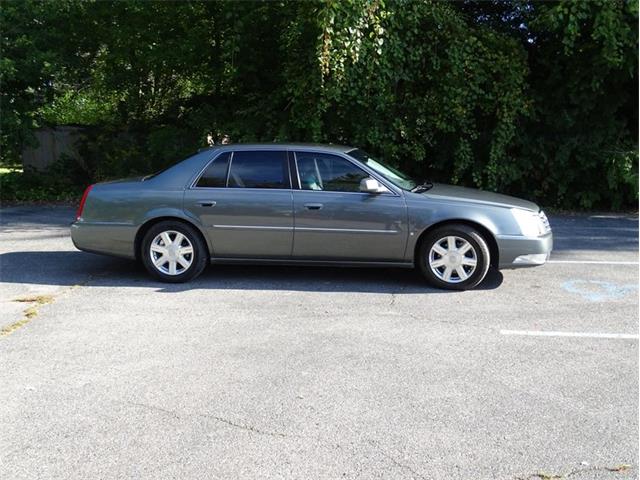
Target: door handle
[[206, 203], [313, 206]]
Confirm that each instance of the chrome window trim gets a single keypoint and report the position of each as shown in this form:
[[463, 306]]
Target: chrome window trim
[[345, 230], [385, 194], [226, 180], [243, 188], [295, 162], [392, 188], [252, 227], [306, 229]]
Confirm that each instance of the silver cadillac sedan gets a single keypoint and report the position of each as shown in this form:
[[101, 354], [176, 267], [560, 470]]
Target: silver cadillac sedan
[[310, 205]]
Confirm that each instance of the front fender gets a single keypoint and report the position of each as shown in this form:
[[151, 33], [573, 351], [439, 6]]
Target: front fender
[[425, 214]]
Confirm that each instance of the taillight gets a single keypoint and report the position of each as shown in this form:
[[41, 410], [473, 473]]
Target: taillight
[[82, 202]]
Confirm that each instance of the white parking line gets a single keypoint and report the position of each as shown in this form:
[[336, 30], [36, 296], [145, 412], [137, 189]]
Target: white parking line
[[578, 227], [538, 333], [593, 262], [619, 217]]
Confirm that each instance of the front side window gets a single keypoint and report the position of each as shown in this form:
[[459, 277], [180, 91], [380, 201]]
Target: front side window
[[259, 169], [330, 173], [216, 173], [392, 174]]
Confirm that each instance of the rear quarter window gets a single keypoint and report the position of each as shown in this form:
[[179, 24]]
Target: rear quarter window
[[216, 173]]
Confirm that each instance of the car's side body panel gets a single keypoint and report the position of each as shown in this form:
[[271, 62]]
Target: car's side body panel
[[116, 211], [310, 262], [349, 226], [242, 222], [277, 225], [426, 210], [108, 224], [111, 220]]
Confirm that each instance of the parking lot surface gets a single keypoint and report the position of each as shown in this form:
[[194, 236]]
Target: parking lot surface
[[317, 373]]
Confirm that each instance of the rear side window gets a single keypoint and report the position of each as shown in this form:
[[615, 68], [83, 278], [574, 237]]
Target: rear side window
[[256, 169], [216, 173]]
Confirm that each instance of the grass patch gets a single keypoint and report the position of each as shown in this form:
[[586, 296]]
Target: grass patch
[[9, 329], [29, 313], [39, 299], [619, 468]]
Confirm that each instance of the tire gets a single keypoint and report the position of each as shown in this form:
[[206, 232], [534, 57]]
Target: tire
[[187, 262], [436, 257]]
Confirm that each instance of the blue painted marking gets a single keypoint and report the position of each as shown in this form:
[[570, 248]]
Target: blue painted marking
[[603, 290]]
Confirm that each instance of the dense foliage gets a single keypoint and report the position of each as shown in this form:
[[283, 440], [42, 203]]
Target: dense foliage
[[537, 99]]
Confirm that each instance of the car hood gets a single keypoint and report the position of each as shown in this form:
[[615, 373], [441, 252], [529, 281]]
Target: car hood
[[441, 191]]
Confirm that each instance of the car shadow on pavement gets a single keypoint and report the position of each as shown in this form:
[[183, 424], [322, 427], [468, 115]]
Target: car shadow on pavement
[[79, 268]]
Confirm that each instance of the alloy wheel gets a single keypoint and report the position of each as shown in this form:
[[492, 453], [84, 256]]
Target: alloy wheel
[[452, 259], [171, 252]]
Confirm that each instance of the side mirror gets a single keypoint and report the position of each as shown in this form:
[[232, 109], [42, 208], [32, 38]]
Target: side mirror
[[371, 185]]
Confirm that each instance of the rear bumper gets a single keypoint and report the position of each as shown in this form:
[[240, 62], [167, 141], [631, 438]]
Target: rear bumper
[[517, 251], [106, 238]]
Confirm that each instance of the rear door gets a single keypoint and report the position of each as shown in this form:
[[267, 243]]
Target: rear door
[[335, 221], [244, 200]]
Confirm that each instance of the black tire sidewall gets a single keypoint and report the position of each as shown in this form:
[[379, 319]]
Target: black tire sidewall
[[199, 251], [469, 234]]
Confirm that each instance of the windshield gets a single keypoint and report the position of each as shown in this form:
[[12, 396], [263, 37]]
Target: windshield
[[392, 174]]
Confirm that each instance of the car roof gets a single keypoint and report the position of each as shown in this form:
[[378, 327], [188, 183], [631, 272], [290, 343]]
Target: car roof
[[280, 146]]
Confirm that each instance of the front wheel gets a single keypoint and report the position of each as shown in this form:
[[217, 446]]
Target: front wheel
[[173, 252], [454, 257]]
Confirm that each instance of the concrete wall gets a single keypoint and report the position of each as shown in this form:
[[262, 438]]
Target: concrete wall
[[53, 142]]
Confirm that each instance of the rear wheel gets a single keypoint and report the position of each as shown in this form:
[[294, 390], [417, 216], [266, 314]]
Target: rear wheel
[[455, 257], [173, 252]]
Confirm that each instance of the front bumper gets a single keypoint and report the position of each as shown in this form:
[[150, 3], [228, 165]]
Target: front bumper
[[517, 251]]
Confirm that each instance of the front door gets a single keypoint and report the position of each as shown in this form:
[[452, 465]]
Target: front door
[[335, 221], [245, 202]]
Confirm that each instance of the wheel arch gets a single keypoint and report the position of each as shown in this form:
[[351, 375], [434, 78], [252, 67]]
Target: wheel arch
[[146, 226], [488, 236]]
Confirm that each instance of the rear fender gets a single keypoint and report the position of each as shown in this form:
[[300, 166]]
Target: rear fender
[[168, 213]]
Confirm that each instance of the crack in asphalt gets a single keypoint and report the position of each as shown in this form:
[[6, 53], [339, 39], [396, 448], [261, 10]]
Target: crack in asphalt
[[396, 462], [555, 476], [248, 428], [394, 295], [252, 429]]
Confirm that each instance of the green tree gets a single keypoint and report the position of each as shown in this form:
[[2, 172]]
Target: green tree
[[537, 99], [582, 140]]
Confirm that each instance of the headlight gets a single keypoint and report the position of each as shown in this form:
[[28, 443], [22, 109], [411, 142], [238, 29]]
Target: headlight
[[531, 224]]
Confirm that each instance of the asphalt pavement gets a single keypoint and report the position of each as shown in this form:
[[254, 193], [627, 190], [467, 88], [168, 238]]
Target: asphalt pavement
[[317, 373]]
